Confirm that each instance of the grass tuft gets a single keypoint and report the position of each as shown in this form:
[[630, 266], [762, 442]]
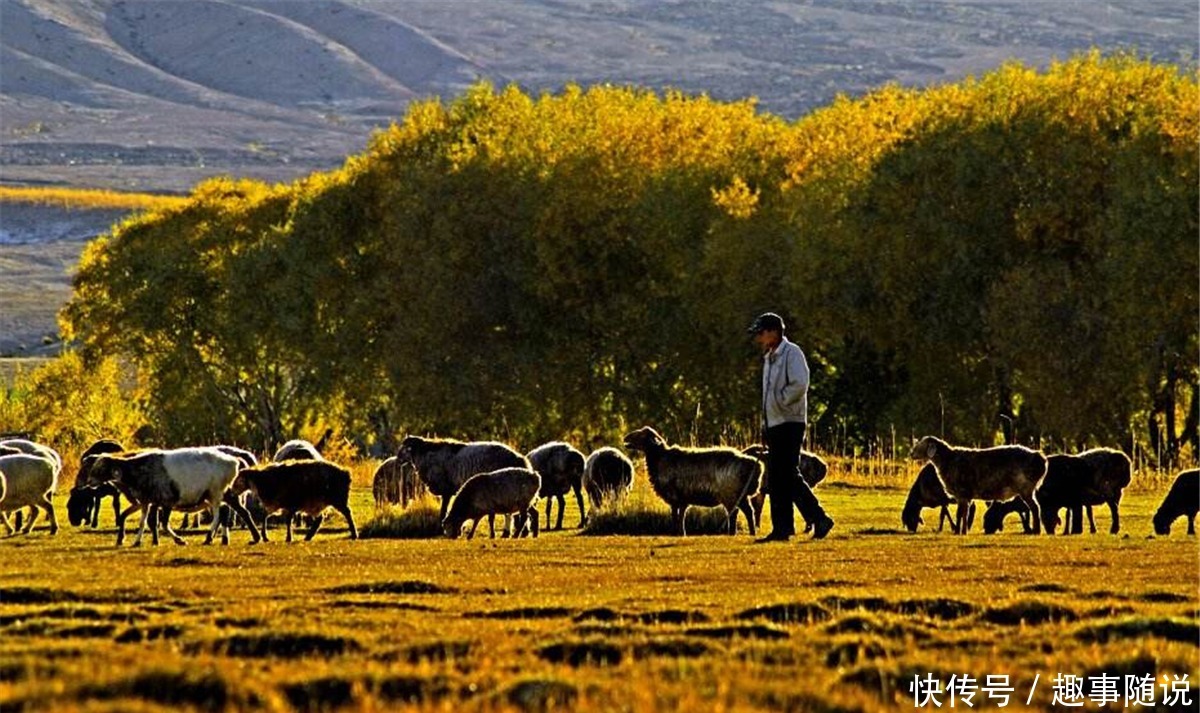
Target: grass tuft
[[419, 522]]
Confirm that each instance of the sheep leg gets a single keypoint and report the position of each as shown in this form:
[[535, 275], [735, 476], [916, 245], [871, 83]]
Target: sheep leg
[[1035, 512], [579, 500], [315, 524], [214, 510], [1077, 520], [34, 511], [290, 518], [961, 517], [731, 520], [748, 510], [549, 508], [491, 525], [680, 516], [121, 518], [164, 519], [533, 519], [445, 506], [1192, 524], [235, 504], [562, 507], [49, 507], [475, 524], [147, 511], [1113, 506], [345, 512]]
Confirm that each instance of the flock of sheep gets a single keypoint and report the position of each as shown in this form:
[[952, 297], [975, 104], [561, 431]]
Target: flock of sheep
[[477, 480]]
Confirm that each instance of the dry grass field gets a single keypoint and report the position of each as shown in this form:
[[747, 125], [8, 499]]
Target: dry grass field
[[576, 622]]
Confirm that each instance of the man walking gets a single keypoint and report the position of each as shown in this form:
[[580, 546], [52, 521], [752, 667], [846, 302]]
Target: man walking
[[785, 418]]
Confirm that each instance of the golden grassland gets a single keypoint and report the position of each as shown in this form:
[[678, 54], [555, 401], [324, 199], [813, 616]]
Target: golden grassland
[[87, 198], [579, 622]]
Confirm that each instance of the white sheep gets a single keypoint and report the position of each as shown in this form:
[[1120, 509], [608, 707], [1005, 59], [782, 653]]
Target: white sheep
[[698, 476], [508, 492], [445, 464], [561, 468], [30, 481], [997, 473], [185, 479]]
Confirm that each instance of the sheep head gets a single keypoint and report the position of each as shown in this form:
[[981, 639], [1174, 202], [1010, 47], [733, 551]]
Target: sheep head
[[927, 448], [645, 439], [100, 469]]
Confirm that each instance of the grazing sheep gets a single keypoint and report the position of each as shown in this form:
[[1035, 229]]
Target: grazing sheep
[[1094, 477], [812, 468], [298, 449], [607, 476], [561, 468], [29, 482], [299, 486], [444, 464], [698, 476], [927, 491], [185, 479], [83, 503], [396, 483], [508, 492], [1183, 499], [996, 473]]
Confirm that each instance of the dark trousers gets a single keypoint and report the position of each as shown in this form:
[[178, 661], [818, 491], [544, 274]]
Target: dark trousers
[[784, 484]]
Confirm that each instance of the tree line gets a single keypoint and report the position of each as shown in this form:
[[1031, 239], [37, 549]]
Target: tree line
[[1011, 256]]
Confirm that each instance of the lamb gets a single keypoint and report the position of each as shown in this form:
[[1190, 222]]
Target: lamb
[[812, 468], [561, 468], [928, 492], [1094, 477], [997, 510], [445, 464], [698, 476], [997, 473], [396, 483], [508, 491], [186, 479], [83, 503], [607, 476], [30, 481], [299, 486], [1183, 499]]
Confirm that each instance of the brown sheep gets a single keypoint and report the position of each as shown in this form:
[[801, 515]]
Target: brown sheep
[[508, 492], [444, 464], [706, 477], [1182, 500], [927, 491], [561, 468], [299, 486], [997, 473]]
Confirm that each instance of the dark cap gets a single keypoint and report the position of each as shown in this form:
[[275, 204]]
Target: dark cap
[[766, 321]]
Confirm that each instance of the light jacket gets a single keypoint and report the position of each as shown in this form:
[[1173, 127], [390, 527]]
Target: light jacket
[[785, 385]]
